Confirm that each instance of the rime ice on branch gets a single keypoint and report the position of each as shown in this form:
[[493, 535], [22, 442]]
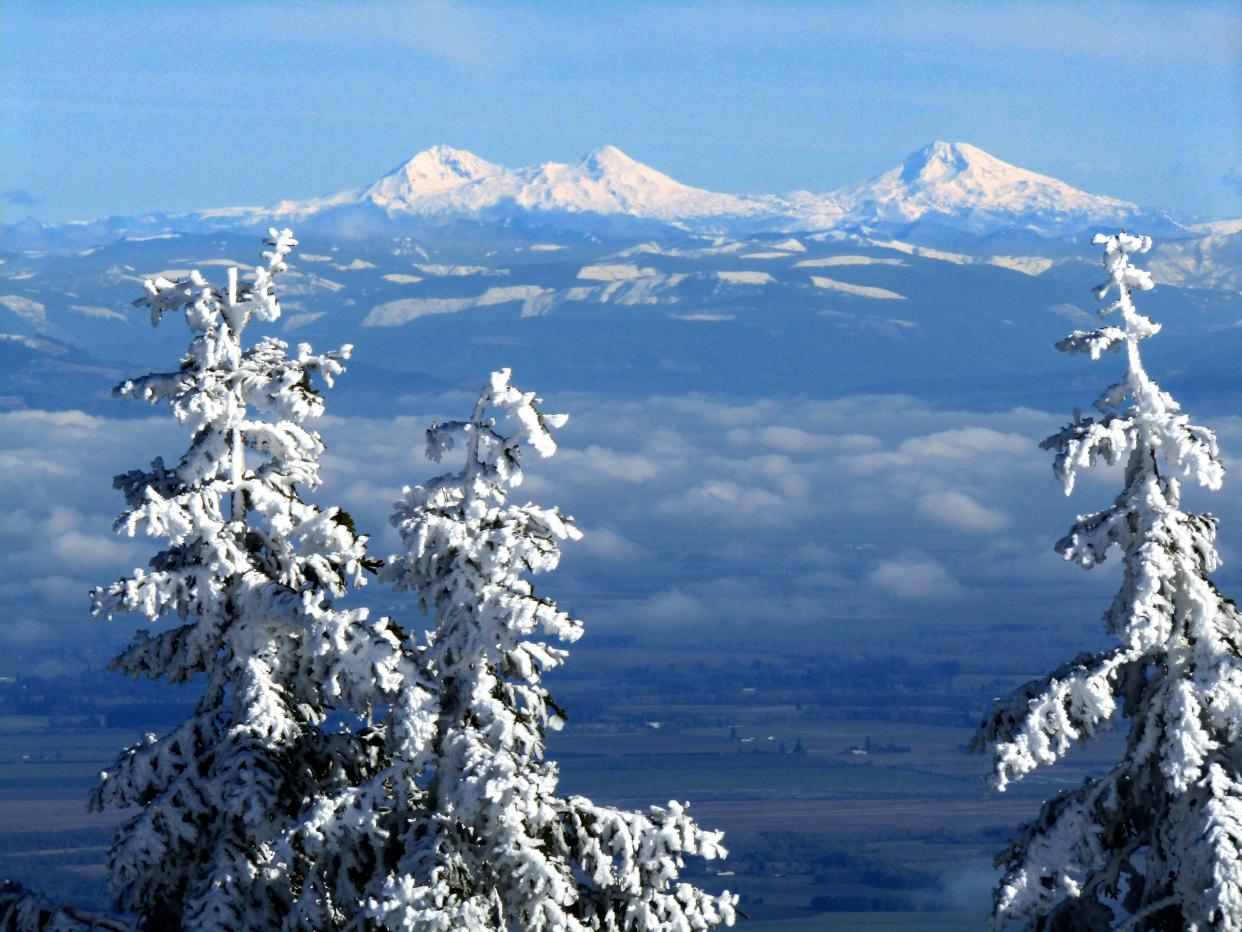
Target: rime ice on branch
[[251, 573], [465, 825], [1157, 842]]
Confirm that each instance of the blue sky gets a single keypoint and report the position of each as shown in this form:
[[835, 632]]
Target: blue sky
[[126, 107]]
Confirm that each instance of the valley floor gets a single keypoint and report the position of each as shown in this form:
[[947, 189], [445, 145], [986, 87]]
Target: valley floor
[[836, 816]]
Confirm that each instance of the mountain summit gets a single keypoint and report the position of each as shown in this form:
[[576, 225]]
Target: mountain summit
[[955, 186], [951, 184], [960, 185], [446, 182], [431, 172], [607, 181]]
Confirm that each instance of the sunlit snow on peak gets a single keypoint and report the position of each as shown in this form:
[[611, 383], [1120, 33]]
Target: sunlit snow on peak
[[433, 171], [960, 183]]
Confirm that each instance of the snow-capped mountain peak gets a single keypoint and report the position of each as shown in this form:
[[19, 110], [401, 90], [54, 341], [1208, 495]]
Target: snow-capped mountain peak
[[611, 162], [961, 184], [431, 172], [607, 181], [941, 160]]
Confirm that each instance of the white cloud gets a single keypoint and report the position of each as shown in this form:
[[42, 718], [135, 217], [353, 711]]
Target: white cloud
[[606, 544], [779, 437], [672, 606], [914, 577], [628, 467], [717, 513], [90, 551], [968, 442], [958, 510]]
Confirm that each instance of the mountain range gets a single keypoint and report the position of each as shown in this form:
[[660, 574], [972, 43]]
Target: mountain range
[[948, 276], [951, 186]]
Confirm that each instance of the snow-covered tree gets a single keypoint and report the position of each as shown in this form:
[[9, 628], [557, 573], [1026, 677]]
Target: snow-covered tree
[[250, 572], [24, 911], [464, 824], [1156, 843]]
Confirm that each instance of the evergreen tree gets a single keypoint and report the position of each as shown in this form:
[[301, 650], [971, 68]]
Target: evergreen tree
[[1156, 843], [251, 572], [464, 822]]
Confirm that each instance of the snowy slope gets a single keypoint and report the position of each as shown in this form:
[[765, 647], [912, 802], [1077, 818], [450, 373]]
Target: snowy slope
[[961, 186], [448, 182]]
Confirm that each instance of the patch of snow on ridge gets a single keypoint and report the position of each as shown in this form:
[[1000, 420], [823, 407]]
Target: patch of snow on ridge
[[649, 289], [765, 255], [925, 252], [92, 311], [642, 249], [1210, 261], [862, 291], [789, 245], [30, 311], [830, 261], [546, 247], [1218, 227], [654, 249], [398, 279], [445, 271], [745, 278], [1027, 265], [507, 294], [298, 321], [404, 310], [613, 273], [35, 343]]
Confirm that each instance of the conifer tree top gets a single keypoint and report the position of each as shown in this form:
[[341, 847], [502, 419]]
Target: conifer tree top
[[250, 574], [1156, 843]]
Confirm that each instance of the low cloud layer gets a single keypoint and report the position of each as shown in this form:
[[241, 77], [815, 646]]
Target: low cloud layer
[[785, 523]]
